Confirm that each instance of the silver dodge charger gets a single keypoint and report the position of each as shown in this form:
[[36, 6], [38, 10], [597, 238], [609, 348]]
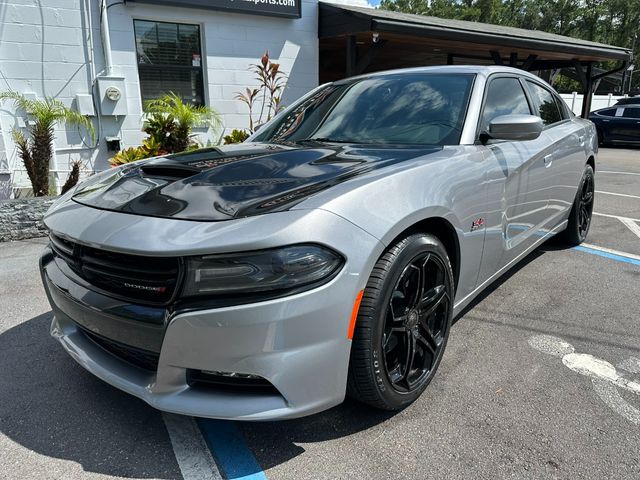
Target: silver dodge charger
[[325, 256]]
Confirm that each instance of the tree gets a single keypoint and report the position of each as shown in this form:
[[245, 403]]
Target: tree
[[607, 21], [421, 7], [36, 150]]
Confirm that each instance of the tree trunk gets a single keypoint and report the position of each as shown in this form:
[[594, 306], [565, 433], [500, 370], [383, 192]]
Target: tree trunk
[[41, 152]]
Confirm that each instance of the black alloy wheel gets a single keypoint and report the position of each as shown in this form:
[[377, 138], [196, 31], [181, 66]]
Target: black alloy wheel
[[416, 322], [582, 210], [403, 323], [585, 204]]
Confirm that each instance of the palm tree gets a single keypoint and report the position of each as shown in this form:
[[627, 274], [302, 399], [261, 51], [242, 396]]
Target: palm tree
[[36, 152], [182, 117]]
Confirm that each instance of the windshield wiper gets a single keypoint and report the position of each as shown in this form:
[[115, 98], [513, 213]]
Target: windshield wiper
[[327, 140]]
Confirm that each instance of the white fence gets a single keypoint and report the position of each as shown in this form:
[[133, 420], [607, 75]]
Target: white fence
[[574, 100]]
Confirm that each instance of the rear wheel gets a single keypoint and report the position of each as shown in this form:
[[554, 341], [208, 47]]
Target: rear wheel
[[403, 323], [582, 210]]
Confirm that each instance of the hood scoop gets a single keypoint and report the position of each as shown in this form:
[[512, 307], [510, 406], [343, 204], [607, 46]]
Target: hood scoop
[[169, 170]]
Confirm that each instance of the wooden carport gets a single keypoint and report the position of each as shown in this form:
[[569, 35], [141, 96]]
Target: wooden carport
[[355, 40]]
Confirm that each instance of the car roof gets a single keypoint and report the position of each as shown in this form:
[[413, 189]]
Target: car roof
[[484, 70], [629, 101], [616, 106]]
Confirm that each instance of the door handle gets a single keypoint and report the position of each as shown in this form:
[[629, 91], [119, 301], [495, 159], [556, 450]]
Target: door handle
[[581, 138], [548, 160]]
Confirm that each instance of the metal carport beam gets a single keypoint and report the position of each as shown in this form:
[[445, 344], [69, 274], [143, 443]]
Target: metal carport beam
[[589, 80]]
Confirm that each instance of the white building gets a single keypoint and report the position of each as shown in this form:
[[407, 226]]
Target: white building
[[55, 48]]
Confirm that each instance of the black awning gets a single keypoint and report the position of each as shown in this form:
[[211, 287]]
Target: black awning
[[341, 20]]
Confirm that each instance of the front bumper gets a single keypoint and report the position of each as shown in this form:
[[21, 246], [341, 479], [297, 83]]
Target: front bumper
[[298, 343]]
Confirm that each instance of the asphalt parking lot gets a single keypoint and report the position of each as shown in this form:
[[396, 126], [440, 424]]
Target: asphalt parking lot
[[541, 379]]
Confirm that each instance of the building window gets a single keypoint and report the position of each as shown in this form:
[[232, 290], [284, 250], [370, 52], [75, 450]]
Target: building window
[[169, 60]]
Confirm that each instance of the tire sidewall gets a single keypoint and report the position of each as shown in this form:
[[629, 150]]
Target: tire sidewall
[[575, 225], [416, 245]]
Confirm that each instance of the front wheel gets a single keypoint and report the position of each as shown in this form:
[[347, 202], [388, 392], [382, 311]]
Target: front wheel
[[403, 323], [582, 210]]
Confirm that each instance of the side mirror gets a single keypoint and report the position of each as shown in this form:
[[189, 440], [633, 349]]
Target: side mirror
[[515, 127]]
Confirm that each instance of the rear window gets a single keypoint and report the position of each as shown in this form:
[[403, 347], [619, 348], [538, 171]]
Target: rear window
[[547, 108], [610, 112], [565, 112], [632, 112]]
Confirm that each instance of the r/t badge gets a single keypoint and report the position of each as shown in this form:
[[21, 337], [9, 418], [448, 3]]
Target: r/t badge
[[477, 224]]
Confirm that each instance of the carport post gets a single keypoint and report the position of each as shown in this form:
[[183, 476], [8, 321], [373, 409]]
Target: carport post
[[352, 58], [588, 92]]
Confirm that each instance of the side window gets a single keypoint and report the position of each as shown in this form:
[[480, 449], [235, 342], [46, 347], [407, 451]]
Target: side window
[[546, 105], [564, 109], [610, 112], [631, 112], [505, 96]]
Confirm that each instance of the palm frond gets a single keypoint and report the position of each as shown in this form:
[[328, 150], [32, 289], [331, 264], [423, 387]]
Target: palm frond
[[37, 152], [49, 111]]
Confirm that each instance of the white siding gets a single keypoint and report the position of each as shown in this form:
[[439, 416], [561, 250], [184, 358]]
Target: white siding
[[44, 50]]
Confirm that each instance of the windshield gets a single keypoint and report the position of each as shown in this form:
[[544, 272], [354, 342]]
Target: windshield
[[422, 109]]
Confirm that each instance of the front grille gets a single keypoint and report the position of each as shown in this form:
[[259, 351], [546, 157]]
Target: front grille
[[151, 280], [136, 356]]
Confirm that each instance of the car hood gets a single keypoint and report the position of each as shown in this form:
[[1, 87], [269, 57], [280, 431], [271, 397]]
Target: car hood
[[235, 181]]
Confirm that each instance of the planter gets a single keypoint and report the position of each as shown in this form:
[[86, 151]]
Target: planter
[[21, 218]]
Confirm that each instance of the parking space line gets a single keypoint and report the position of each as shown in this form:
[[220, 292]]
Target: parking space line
[[193, 456], [616, 216], [631, 225], [618, 173], [618, 194], [605, 378], [230, 451], [609, 253]]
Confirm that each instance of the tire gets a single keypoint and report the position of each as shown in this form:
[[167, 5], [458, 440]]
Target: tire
[[601, 139], [581, 211], [393, 319]]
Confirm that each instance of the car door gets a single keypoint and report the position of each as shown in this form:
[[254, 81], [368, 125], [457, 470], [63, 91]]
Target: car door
[[616, 126], [604, 120], [564, 154], [630, 125], [515, 171]]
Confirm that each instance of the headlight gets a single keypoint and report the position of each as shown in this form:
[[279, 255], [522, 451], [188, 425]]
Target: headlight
[[276, 269]]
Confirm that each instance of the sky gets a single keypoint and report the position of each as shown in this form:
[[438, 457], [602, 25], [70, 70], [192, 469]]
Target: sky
[[356, 3]]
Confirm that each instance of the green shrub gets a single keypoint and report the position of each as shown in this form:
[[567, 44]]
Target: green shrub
[[171, 121], [236, 136], [128, 155]]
